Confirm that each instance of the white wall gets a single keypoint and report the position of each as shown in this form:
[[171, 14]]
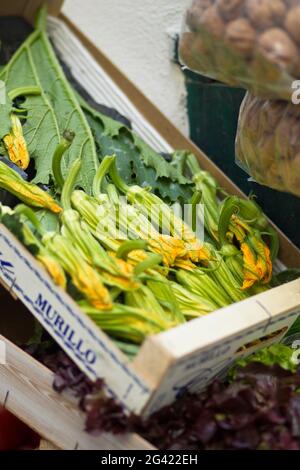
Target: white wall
[[134, 34]]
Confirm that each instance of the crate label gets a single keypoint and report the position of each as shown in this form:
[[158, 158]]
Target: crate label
[[84, 342]]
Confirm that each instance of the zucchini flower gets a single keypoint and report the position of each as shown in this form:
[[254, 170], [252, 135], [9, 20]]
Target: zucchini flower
[[22, 215], [162, 290], [107, 221], [53, 268], [161, 215], [201, 284], [241, 221], [144, 298], [256, 260], [83, 276], [131, 220], [15, 144], [126, 322], [26, 192], [234, 261], [114, 272], [89, 210], [207, 186]]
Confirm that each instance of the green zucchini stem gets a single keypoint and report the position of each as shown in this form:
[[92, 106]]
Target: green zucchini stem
[[26, 211], [103, 169], [129, 246], [193, 164], [116, 178], [24, 91], [41, 19], [150, 262], [196, 198]]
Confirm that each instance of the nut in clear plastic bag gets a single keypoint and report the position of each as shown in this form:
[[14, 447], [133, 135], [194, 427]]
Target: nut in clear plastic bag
[[268, 143], [2, 353], [254, 44]]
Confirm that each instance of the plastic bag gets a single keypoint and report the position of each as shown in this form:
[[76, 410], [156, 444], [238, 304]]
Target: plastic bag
[[254, 44], [268, 143]]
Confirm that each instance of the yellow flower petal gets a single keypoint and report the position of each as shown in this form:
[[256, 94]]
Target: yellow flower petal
[[250, 267], [169, 247], [198, 252], [185, 264]]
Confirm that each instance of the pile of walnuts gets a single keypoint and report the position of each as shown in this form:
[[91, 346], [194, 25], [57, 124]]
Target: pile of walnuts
[[250, 43], [254, 44]]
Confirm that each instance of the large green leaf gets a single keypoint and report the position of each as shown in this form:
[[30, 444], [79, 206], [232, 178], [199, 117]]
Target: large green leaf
[[53, 111], [136, 161]]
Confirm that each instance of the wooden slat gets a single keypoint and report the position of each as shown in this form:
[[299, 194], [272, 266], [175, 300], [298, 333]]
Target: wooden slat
[[46, 445], [289, 253], [31, 7], [26, 390]]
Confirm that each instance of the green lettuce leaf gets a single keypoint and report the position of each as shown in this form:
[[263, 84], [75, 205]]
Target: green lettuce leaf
[[275, 354]]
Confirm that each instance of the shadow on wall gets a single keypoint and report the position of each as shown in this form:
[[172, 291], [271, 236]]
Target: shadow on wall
[[213, 114]]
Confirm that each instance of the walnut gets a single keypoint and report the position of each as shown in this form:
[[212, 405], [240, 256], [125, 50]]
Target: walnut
[[287, 136], [268, 143], [230, 9], [240, 34], [195, 12], [292, 23], [185, 49], [266, 150], [277, 47], [212, 22], [270, 114], [265, 14]]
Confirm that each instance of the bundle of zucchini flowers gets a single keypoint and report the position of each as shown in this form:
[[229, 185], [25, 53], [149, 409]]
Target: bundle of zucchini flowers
[[129, 259], [133, 265]]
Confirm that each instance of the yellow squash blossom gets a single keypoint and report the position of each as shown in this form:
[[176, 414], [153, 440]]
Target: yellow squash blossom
[[170, 248], [124, 276], [89, 283], [86, 279], [15, 144], [115, 272]]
